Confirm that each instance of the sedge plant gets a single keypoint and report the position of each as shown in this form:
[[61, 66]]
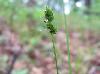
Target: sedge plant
[[49, 17]]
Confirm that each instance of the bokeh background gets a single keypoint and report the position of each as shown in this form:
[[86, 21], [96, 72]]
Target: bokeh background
[[23, 32]]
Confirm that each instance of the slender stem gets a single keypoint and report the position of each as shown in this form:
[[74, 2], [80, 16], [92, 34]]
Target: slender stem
[[67, 43], [54, 52]]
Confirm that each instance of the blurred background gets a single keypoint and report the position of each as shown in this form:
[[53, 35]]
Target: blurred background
[[23, 34]]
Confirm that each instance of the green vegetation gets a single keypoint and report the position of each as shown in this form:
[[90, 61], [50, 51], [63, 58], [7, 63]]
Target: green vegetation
[[49, 40]]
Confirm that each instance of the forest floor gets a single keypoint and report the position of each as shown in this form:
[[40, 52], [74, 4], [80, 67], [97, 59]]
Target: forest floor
[[85, 53]]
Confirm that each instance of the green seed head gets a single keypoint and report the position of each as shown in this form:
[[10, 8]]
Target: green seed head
[[49, 14], [48, 20], [51, 28]]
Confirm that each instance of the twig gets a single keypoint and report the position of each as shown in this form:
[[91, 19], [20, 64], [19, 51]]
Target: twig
[[10, 68]]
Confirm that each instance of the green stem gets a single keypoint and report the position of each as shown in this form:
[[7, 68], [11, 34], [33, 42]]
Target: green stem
[[67, 43], [69, 56], [54, 52]]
